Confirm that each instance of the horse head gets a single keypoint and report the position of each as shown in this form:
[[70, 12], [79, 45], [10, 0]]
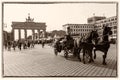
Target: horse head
[[107, 30], [106, 33]]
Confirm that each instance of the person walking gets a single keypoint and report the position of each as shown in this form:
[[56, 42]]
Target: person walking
[[43, 43], [14, 44], [9, 46], [19, 44], [5, 44], [28, 44]]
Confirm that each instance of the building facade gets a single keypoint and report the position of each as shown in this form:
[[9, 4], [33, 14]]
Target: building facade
[[94, 23], [79, 29]]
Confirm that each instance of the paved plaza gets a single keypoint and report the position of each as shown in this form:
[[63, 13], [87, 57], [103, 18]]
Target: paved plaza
[[42, 62]]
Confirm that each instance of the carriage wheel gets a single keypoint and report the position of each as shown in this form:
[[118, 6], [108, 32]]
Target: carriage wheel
[[66, 55], [55, 51], [77, 53]]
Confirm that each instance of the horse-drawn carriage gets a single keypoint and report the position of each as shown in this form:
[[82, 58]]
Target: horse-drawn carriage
[[65, 44], [86, 46]]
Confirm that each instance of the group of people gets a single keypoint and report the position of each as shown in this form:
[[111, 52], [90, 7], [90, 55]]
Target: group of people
[[20, 44]]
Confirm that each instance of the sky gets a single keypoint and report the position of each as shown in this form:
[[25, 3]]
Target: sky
[[56, 15]]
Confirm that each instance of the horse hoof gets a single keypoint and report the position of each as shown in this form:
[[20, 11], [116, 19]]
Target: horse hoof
[[80, 60], [84, 62], [89, 61], [104, 64], [66, 58], [92, 60], [94, 57]]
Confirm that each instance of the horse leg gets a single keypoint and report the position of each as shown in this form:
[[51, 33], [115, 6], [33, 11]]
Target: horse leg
[[104, 57], [84, 56], [74, 51], [78, 54], [94, 53], [66, 53], [91, 57]]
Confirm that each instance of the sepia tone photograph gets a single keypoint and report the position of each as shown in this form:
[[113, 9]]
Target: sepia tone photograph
[[59, 39]]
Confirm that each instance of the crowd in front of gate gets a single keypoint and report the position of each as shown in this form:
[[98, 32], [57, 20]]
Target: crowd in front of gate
[[25, 44], [18, 44]]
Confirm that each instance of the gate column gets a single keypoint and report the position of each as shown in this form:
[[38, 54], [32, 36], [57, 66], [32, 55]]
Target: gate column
[[33, 33], [25, 33], [38, 33], [13, 34], [19, 34]]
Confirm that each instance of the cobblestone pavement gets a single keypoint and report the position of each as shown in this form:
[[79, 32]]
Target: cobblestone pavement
[[42, 62]]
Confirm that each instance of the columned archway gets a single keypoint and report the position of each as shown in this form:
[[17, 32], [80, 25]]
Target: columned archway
[[24, 27]]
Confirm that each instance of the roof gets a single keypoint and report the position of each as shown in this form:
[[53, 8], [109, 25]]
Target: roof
[[77, 24], [25, 24]]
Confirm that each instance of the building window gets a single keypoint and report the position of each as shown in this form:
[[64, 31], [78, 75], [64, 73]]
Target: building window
[[112, 19], [115, 27], [115, 31]]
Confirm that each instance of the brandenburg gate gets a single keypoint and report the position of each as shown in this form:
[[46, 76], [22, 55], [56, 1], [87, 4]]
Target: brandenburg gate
[[29, 24]]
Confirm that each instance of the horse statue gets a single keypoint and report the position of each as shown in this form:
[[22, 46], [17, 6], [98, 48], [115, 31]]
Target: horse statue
[[86, 45], [105, 44]]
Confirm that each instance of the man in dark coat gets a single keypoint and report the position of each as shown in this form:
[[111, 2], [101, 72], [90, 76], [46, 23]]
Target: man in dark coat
[[19, 44], [69, 41]]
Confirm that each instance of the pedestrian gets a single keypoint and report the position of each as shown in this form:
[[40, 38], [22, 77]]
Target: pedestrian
[[14, 44], [32, 44], [19, 44], [5, 44], [43, 43], [28, 44], [9, 46], [24, 45]]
